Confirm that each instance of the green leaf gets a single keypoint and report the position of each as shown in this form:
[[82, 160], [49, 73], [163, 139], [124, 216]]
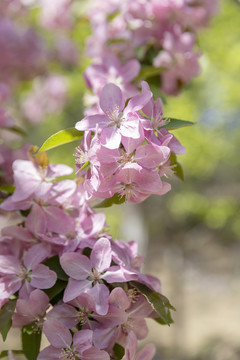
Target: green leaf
[[119, 351], [178, 170], [57, 289], [115, 199], [8, 189], [31, 341], [60, 138], [4, 354], [6, 317], [158, 301], [54, 264], [169, 317], [149, 71], [176, 124]]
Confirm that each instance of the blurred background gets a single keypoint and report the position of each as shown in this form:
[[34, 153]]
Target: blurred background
[[191, 236]]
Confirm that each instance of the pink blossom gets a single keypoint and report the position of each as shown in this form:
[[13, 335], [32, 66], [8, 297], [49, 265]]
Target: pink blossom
[[116, 121], [87, 275], [110, 70], [31, 310], [146, 353], [63, 345], [27, 275]]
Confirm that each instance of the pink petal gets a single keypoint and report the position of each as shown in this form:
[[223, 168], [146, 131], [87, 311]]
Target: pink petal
[[149, 156], [147, 353], [8, 286], [111, 137], [130, 70], [36, 255], [111, 99], [58, 221], [138, 102], [130, 128], [75, 288], [90, 122], [119, 298], [101, 255], [100, 293], [104, 338], [36, 221], [9, 264], [95, 354], [67, 314], [76, 265], [57, 334], [50, 353], [82, 340], [42, 277]]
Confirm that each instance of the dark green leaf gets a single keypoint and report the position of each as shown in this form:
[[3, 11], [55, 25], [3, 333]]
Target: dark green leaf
[[31, 341], [52, 293], [158, 301], [119, 351], [176, 124], [115, 199], [60, 138], [149, 71], [6, 317], [4, 354], [169, 317], [54, 264], [8, 189]]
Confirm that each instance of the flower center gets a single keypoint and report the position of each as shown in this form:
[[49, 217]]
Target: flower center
[[69, 354]]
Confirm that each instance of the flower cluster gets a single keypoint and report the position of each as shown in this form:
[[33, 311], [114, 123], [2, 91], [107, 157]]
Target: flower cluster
[[158, 33], [130, 152], [101, 304]]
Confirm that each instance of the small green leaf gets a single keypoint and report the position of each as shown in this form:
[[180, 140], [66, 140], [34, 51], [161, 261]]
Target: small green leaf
[[178, 170], [8, 189], [176, 124], [15, 129], [158, 301], [4, 354], [60, 138], [31, 342], [149, 71], [52, 293], [6, 313], [119, 351], [116, 199], [54, 264], [169, 317]]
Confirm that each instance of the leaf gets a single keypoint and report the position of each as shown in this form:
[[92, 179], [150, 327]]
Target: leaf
[[54, 264], [6, 313], [31, 341], [8, 189], [176, 124], [158, 301], [149, 71], [52, 293], [116, 199], [118, 351], [60, 138], [178, 170], [169, 317], [4, 354]]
